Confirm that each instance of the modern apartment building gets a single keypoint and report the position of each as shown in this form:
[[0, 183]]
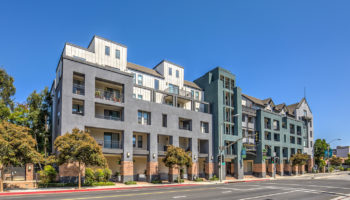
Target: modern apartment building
[[134, 112], [341, 151]]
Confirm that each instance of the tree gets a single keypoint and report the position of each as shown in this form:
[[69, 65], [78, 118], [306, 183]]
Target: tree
[[79, 147], [347, 162], [319, 149], [177, 157], [20, 115], [299, 159], [17, 147], [336, 161], [7, 89]]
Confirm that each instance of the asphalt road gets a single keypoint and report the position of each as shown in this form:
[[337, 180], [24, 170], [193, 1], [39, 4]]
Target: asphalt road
[[318, 189]]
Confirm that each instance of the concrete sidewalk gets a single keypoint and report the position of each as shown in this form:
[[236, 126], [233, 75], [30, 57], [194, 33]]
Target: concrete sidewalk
[[120, 186]]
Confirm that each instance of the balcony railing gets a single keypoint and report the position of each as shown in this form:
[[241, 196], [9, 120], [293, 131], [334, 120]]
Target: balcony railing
[[78, 89], [185, 127], [162, 147], [181, 92], [108, 117], [108, 144], [109, 96]]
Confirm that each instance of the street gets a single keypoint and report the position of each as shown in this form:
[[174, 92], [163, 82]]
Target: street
[[337, 187]]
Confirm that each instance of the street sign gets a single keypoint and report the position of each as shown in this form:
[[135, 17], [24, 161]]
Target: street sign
[[244, 152], [223, 163]]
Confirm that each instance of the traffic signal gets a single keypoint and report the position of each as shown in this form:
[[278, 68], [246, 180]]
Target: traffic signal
[[219, 158]]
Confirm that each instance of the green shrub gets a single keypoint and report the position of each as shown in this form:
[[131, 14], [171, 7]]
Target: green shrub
[[107, 174], [341, 168], [102, 183], [181, 181], [130, 183], [89, 176], [348, 169], [331, 169], [99, 175], [40, 185], [214, 178], [198, 180], [156, 182], [47, 175]]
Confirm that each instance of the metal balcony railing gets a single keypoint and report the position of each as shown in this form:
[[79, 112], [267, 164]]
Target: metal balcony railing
[[78, 89], [108, 117], [163, 147], [109, 96], [109, 144]]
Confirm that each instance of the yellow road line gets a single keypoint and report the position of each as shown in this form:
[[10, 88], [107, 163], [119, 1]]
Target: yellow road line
[[139, 194]]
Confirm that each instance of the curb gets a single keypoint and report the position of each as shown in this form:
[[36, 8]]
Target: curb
[[90, 190]]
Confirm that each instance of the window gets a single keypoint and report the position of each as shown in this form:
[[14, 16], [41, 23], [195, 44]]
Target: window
[[173, 89], [197, 95], [292, 139], [164, 120], [78, 84], [299, 130], [170, 72], [204, 127], [112, 115], [276, 125], [310, 143], [292, 128], [192, 93], [156, 84], [285, 138], [140, 79], [111, 140], [310, 123], [310, 133], [134, 77], [177, 74], [140, 96], [58, 95], [267, 123], [250, 119], [276, 137], [243, 118], [78, 107], [144, 117], [305, 113], [185, 124], [117, 54], [139, 141], [267, 135], [107, 50], [134, 141], [299, 141]]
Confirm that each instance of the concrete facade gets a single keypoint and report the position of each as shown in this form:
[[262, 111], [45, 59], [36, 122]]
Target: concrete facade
[[134, 112]]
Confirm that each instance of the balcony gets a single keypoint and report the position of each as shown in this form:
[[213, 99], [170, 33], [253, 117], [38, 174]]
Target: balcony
[[114, 96], [109, 117], [109, 144], [163, 142], [78, 89], [108, 112], [110, 140], [185, 143], [185, 124], [140, 143], [248, 110]]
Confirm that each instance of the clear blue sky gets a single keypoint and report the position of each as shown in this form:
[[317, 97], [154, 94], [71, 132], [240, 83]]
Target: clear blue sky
[[275, 48]]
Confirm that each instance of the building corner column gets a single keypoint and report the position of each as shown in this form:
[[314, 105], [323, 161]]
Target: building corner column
[[127, 171]]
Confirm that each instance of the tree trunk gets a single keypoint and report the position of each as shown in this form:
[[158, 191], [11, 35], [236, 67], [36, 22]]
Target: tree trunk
[[79, 181], [1, 180], [179, 176]]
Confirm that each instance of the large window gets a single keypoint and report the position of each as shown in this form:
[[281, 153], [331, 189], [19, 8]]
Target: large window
[[140, 79], [185, 124], [107, 50], [177, 74], [134, 77], [111, 140], [276, 125], [204, 127], [144, 117], [156, 84], [173, 89], [117, 54], [292, 128], [78, 107], [112, 115]]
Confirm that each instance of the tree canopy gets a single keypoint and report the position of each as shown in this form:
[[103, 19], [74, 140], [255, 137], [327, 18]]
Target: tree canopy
[[7, 89], [17, 147], [299, 159], [79, 147], [320, 147], [176, 156], [336, 161]]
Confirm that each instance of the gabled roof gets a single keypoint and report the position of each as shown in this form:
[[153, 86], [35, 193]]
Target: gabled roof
[[254, 100], [192, 85], [143, 69], [281, 106], [291, 108]]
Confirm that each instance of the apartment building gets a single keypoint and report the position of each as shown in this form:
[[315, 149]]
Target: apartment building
[[132, 111], [272, 134], [341, 151]]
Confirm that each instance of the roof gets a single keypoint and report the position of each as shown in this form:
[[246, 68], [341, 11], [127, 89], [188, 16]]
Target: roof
[[291, 108], [279, 107], [254, 100], [143, 69], [192, 84]]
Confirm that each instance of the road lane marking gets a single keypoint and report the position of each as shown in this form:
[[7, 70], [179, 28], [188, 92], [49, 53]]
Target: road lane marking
[[139, 194], [268, 195], [178, 197], [309, 185], [224, 192]]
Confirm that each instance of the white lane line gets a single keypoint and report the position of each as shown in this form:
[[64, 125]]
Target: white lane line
[[268, 195], [224, 192], [178, 197], [309, 185]]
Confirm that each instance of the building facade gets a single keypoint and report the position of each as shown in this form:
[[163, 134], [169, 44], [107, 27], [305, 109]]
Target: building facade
[[134, 112], [342, 151]]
